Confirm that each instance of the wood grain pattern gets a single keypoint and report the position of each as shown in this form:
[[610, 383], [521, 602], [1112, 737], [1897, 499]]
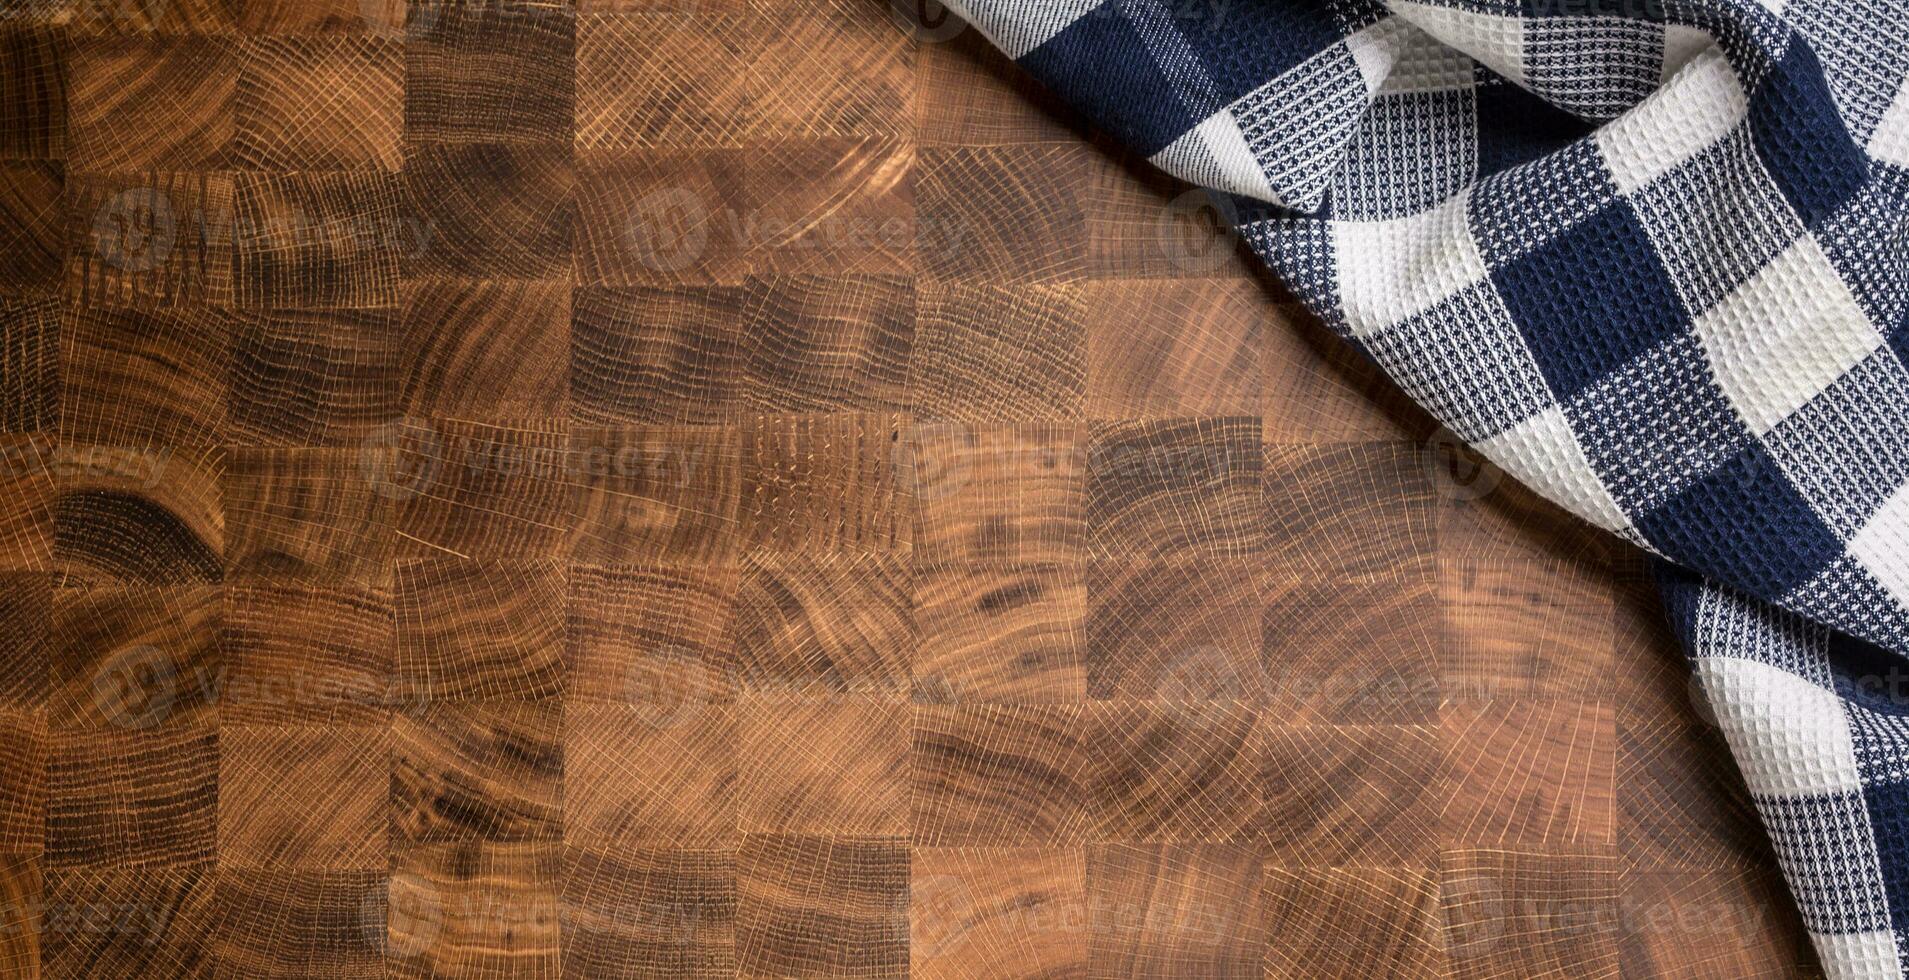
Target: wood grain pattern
[[722, 489]]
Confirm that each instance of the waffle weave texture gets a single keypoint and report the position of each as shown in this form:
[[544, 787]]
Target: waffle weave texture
[[1651, 257]]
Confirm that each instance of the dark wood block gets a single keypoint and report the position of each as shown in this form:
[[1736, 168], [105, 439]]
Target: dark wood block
[[151, 239], [649, 913], [988, 353], [1176, 910], [998, 492], [28, 502], [489, 73], [151, 103], [139, 515], [997, 911], [1349, 511], [488, 210], [145, 378], [1178, 629], [657, 491], [132, 798], [662, 216], [813, 627], [33, 78], [783, 931], [265, 822], [847, 71], [1535, 774], [635, 776], [1529, 913], [656, 354], [1174, 772], [999, 633], [658, 635], [131, 658], [825, 767], [1361, 652], [33, 227], [1002, 214], [301, 653], [313, 378], [30, 365], [474, 909], [1353, 922], [1001, 775], [130, 922], [661, 78], [307, 514], [825, 483], [1351, 794], [320, 103], [479, 630], [464, 772], [1174, 348], [492, 350], [285, 924], [839, 205], [318, 240], [479, 489], [23, 781], [26, 639], [1175, 488], [836, 344]]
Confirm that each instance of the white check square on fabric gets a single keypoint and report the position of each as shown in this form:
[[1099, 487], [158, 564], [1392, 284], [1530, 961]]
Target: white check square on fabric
[[1785, 335], [1394, 269]]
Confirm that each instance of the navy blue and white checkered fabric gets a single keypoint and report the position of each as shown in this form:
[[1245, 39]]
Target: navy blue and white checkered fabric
[[1652, 258]]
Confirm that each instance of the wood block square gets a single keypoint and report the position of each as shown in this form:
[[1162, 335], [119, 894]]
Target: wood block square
[[126, 798], [150, 103], [641, 777], [1525, 628], [33, 74], [997, 912], [971, 94], [834, 205], [1180, 910], [782, 931], [22, 914], [823, 767], [154, 516], [170, 930], [1653, 681], [185, 19], [498, 350], [826, 68], [26, 639], [819, 626], [1353, 922], [474, 910], [371, 18], [1351, 794], [1530, 773], [32, 226], [1144, 223], [1485, 513], [664, 79], [1006, 775], [1015, 210], [999, 492], [1000, 354], [23, 780], [308, 378], [1529, 914], [28, 502], [1174, 772], [1346, 512], [1175, 630], [836, 344], [131, 658], [320, 103], [489, 211], [649, 913], [480, 630], [1000, 633], [1319, 389], [1682, 802], [825, 483], [1364, 652], [493, 490], [307, 514], [307, 654], [656, 635], [322, 239], [655, 354], [29, 365], [490, 74], [1174, 348], [463, 772], [1158, 489], [657, 491], [144, 378], [663, 216], [157, 239], [1735, 923], [270, 819], [286, 924]]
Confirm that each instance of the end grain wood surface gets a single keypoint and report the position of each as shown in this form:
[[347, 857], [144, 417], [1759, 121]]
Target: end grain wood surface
[[720, 488]]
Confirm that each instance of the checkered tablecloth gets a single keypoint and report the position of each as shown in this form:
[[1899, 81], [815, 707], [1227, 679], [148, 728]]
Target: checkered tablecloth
[[1649, 256]]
